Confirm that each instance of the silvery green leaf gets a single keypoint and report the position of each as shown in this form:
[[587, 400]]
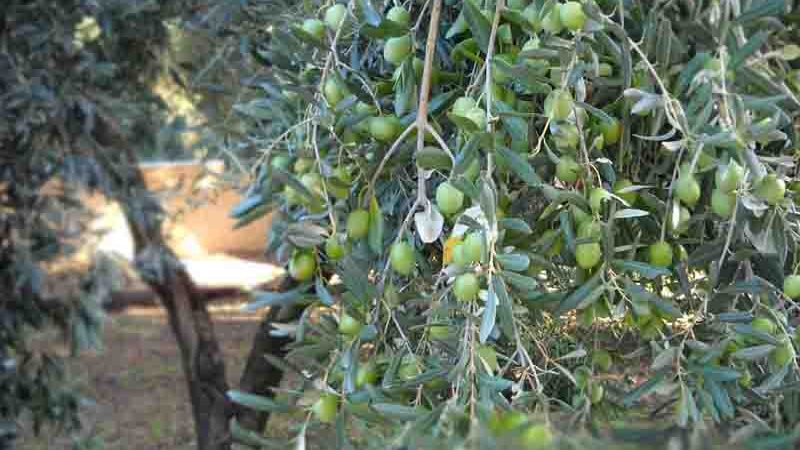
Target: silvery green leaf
[[429, 223], [647, 104], [657, 138], [635, 94], [673, 146], [489, 315], [630, 213]]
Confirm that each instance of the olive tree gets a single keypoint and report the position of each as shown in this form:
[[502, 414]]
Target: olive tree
[[506, 218], [77, 109]]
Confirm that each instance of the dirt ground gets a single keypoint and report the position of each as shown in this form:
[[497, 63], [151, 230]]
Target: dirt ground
[[137, 393]]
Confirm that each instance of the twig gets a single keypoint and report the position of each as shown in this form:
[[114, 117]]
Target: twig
[[386, 157]]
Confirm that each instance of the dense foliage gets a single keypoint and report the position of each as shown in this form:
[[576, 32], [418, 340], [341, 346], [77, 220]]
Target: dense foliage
[[70, 71], [597, 223]]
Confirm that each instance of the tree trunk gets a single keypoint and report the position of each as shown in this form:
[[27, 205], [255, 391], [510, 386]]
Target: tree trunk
[[260, 376], [159, 267]]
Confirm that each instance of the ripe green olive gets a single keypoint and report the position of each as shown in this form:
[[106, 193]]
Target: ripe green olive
[[723, 203], [660, 254], [333, 248], [449, 199], [349, 325], [325, 408], [384, 128], [473, 247], [358, 224], [396, 49], [684, 215], [399, 15], [466, 287], [366, 374], [558, 104], [459, 256], [567, 169], [764, 324], [567, 137], [531, 14], [596, 198], [589, 229], [551, 22], [463, 105], [588, 255], [315, 28], [572, 16], [771, 189], [334, 16], [611, 131], [791, 286], [687, 189], [781, 355], [605, 70], [630, 197], [537, 436], [401, 258], [302, 266], [729, 179], [333, 91]]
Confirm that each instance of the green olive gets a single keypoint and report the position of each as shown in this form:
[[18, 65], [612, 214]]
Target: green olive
[[558, 104], [334, 16], [588, 255], [572, 16], [358, 224], [687, 189], [723, 203], [315, 28], [325, 409], [660, 254], [333, 248], [384, 128], [449, 199], [771, 189], [791, 286], [349, 325], [399, 15], [567, 169], [302, 266], [396, 49], [401, 258], [466, 287]]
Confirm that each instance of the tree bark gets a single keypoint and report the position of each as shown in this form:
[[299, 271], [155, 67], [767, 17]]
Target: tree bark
[[260, 376], [159, 267]]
